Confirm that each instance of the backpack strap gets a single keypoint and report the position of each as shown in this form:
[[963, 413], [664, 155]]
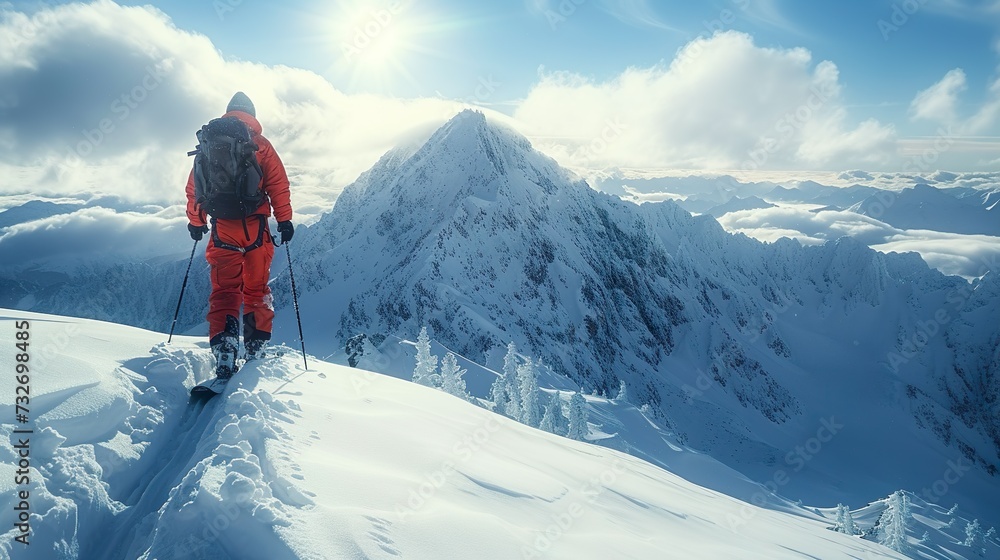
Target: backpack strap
[[255, 245]]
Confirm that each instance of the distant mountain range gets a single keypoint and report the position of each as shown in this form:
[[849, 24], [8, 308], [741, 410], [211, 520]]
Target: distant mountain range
[[957, 210]]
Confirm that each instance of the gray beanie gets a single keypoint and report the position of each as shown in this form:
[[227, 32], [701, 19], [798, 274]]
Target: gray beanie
[[240, 102]]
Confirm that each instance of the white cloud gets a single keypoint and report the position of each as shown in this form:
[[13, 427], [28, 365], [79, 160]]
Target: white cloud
[[962, 255], [951, 253], [723, 102], [118, 92], [826, 225], [939, 102], [91, 236]]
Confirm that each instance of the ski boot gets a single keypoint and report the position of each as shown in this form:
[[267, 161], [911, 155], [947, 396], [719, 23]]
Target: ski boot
[[254, 340], [225, 345], [254, 348]]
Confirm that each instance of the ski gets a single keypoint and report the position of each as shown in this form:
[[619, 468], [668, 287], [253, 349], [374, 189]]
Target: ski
[[216, 386], [209, 388]]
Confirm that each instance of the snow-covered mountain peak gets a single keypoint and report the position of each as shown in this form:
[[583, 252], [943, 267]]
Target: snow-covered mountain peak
[[470, 131], [468, 157]]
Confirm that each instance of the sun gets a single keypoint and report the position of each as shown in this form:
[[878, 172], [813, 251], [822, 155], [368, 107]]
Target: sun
[[372, 37], [373, 40]]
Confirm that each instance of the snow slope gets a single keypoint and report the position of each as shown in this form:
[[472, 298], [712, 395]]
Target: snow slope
[[335, 463]]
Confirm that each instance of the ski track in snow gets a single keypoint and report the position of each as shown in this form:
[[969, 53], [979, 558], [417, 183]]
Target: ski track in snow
[[172, 462], [224, 437]]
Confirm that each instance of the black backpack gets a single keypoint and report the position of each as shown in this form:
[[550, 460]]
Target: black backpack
[[227, 176]]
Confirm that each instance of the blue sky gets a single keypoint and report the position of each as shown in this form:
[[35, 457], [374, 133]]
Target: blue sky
[[720, 85], [447, 46]]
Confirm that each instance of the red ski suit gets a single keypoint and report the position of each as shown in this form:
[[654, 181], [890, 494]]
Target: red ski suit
[[241, 277]]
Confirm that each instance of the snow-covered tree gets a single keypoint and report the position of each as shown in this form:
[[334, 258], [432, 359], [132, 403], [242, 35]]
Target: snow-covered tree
[[577, 417], [845, 521], [452, 381], [893, 523], [951, 516], [622, 395], [498, 394], [511, 389], [553, 421], [527, 377], [425, 373], [974, 537]]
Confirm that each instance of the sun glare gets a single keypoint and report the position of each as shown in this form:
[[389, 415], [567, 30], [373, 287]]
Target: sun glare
[[373, 40]]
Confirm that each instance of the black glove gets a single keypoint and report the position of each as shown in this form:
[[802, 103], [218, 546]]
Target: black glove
[[286, 230], [197, 231]]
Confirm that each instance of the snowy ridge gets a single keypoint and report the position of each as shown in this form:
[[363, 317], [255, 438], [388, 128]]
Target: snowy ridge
[[318, 464]]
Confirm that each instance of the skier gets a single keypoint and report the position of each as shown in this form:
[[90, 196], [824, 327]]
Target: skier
[[240, 250]]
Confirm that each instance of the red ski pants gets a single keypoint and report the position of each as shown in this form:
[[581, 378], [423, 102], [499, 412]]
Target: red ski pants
[[240, 277]]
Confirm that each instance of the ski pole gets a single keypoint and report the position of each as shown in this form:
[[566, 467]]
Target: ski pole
[[295, 302], [181, 298]]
